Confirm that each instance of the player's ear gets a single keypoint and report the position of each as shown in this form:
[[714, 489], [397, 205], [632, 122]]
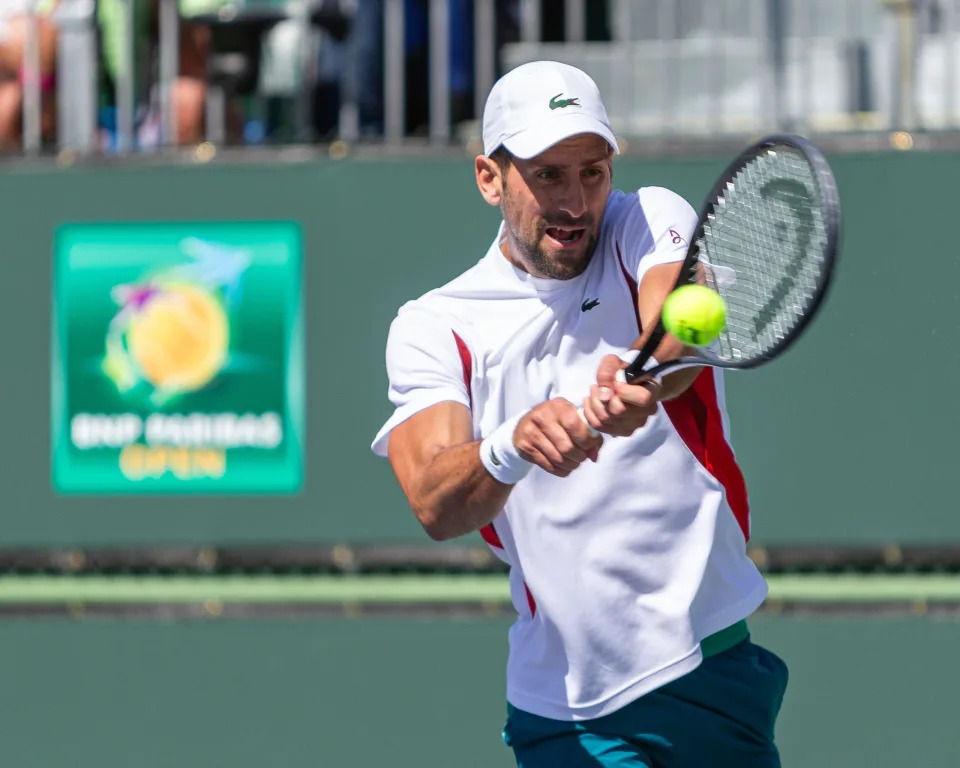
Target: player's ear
[[489, 179]]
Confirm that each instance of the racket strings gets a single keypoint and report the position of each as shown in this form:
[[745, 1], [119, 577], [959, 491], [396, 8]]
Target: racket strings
[[763, 249]]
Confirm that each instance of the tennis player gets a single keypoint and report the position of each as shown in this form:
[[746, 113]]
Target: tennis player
[[627, 551]]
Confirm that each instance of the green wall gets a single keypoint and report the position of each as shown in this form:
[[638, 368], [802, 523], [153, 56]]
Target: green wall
[[849, 438], [406, 693]]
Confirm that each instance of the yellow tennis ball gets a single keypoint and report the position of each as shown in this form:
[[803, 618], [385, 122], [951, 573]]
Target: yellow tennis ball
[[694, 314]]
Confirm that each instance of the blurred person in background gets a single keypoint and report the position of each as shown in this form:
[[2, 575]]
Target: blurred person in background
[[363, 80], [190, 87], [334, 22], [462, 33], [14, 18], [363, 74], [460, 53]]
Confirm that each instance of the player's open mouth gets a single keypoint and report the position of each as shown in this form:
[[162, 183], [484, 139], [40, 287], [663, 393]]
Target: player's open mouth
[[565, 237]]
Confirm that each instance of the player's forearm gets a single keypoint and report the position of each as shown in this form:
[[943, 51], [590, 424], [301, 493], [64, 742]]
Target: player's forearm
[[676, 383], [456, 495]]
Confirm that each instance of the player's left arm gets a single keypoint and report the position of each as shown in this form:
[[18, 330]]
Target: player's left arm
[[616, 408], [612, 406]]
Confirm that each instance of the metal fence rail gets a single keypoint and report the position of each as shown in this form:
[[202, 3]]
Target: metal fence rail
[[677, 68]]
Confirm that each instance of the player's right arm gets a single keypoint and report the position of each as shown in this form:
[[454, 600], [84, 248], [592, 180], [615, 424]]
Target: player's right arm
[[437, 462], [430, 438]]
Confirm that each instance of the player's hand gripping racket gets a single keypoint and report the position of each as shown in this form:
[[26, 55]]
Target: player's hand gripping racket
[[767, 242]]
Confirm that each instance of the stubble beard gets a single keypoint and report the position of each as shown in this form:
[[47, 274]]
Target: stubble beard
[[531, 248]]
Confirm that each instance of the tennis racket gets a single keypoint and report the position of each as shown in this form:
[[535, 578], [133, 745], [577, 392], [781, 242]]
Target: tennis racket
[[767, 241]]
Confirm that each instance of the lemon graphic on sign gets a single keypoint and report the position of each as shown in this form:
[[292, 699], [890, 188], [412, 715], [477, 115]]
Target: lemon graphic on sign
[[179, 338]]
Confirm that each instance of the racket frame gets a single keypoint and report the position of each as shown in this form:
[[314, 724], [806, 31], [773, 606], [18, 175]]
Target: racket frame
[[830, 209]]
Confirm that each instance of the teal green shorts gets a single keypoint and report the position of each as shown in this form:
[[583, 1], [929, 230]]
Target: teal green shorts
[[722, 715]]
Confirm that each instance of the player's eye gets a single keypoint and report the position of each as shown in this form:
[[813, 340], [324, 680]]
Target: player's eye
[[548, 175], [592, 173]]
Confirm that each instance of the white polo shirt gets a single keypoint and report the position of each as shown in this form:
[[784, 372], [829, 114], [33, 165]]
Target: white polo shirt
[[619, 570]]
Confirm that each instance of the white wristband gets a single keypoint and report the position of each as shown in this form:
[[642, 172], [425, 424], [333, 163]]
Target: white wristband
[[500, 457]]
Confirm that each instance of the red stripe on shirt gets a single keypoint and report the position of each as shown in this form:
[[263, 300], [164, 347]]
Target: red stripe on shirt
[[696, 416], [467, 362], [490, 535], [488, 532], [531, 603]]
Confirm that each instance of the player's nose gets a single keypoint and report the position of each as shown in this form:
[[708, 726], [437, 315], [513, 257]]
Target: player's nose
[[573, 201]]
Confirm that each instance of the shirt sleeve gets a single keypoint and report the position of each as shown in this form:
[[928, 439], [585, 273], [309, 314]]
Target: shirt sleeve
[[427, 363], [655, 228]]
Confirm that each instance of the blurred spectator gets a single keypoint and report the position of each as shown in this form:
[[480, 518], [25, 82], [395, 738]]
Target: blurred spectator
[[507, 28], [553, 21], [14, 15], [461, 31], [334, 23], [349, 63], [364, 74], [363, 68], [417, 66], [461, 60], [190, 88], [189, 91]]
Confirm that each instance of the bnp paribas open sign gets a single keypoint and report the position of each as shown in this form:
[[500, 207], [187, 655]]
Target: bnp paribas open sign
[[177, 359]]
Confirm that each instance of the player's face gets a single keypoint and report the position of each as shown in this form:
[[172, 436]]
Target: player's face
[[553, 206]]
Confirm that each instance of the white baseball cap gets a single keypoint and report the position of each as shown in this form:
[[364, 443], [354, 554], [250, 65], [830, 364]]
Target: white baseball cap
[[536, 105]]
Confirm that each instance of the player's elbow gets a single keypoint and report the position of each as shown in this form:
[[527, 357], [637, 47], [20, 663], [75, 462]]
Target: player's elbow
[[433, 523], [437, 533]]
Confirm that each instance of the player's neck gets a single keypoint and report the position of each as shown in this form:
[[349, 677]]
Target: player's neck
[[512, 253]]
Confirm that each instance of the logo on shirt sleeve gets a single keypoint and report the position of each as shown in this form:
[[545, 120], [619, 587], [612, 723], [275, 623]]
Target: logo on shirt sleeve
[[675, 237], [589, 304]]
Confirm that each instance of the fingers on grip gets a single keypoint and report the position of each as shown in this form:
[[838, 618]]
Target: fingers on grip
[[593, 432]]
